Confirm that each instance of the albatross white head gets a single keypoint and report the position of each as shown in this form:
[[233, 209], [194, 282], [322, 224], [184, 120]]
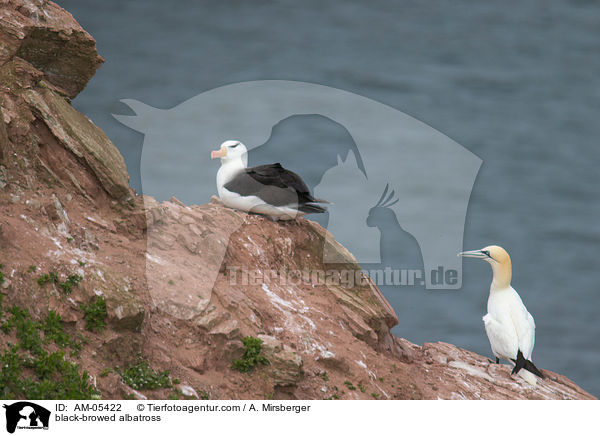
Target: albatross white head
[[499, 259], [234, 158], [231, 152]]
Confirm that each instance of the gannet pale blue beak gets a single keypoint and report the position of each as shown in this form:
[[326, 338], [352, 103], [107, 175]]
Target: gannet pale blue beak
[[477, 254]]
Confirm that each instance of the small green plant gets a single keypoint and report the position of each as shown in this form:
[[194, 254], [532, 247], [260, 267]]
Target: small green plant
[[361, 387], [28, 331], [350, 385], [53, 330], [129, 397], [325, 376], [333, 397], [142, 376], [32, 268], [171, 282], [47, 278], [380, 379], [52, 277], [81, 263], [72, 280], [251, 357], [375, 395], [95, 314], [105, 372], [1, 274], [84, 339], [69, 239]]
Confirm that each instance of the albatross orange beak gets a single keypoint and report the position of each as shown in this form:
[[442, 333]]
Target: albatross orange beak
[[218, 153]]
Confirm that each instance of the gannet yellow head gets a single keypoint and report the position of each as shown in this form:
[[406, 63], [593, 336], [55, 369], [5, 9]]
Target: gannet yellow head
[[491, 254], [230, 150], [499, 259]]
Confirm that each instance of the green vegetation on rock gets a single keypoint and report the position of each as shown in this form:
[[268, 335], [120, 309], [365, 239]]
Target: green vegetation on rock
[[142, 376], [30, 370], [95, 314], [53, 330], [47, 278], [251, 357], [66, 286], [350, 385], [72, 280]]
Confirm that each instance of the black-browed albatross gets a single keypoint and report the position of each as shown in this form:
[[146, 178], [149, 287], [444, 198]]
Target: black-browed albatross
[[265, 189]]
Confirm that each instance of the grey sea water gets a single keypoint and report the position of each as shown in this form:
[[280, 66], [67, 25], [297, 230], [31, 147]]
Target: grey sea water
[[515, 82]]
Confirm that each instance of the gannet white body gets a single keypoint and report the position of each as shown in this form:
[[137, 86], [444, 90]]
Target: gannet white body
[[266, 189], [509, 326]]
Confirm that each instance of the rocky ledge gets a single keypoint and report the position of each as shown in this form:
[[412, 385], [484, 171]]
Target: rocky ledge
[[228, 303]]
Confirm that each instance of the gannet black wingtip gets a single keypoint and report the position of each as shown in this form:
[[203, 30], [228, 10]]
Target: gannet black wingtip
[[522, 363]]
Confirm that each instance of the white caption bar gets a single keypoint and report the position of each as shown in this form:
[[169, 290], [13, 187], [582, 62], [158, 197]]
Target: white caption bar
[[297, 417]]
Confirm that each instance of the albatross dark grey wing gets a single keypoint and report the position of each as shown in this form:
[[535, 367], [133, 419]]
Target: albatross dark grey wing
[[276, 186]]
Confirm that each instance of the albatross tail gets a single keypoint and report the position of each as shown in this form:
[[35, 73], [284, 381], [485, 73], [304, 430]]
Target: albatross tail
[[320, 200], [311, 208]]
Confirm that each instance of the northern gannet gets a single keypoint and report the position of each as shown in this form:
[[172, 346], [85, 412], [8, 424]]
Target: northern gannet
[[509, 326], [266, 189]]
